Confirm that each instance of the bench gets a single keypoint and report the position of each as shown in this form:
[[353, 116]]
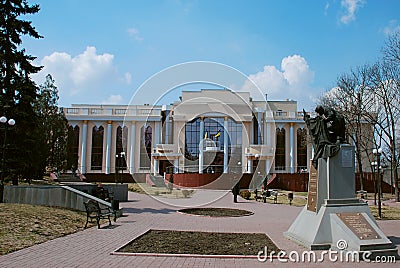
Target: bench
[[271, 194], [102, 193], [94, 211], [363, 194], [256, 196]]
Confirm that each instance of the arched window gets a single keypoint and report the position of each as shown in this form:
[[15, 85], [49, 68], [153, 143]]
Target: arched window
[[97, 147], [301, 148], [120, 145], [280, 158], [73, 147], [145, 146]]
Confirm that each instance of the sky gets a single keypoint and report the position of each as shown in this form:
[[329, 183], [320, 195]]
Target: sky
[[101, 52]]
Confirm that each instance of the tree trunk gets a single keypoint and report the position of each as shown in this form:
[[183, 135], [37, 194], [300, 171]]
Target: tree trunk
[[396, 182]]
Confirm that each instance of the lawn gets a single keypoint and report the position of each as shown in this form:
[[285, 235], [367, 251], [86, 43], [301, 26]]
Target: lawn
[[23, 225]]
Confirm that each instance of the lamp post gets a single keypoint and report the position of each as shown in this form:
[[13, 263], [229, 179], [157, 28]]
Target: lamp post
[[236, 182], [373, 165], [378, 153], [5, 123]]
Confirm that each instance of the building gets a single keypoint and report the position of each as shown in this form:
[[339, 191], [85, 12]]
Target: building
[[205, 133]]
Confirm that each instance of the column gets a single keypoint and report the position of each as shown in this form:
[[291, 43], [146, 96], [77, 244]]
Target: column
[[249, 166], [176, 165], [132, 148], [259, 128], [201, 145], [267, 135], [155, 166], [226, 143], [83, 149], [267, 165], [157, 132], [267, 141], [291, 155], [108, 147]]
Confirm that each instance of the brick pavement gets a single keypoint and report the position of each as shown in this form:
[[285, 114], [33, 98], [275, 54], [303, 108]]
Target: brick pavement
[[92, 247]]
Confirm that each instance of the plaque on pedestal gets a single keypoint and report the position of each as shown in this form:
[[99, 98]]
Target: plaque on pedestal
[[312, 189]]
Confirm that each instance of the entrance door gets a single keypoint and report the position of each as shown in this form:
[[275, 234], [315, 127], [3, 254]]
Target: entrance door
[[163, 167]]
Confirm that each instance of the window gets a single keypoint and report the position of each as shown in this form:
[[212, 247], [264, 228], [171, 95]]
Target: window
[[145, 146], [73, 147], [213, 130], [301, 148], [97, 147], [280, 158]]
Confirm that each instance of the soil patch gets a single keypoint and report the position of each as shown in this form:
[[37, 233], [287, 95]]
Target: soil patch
[[199, 243], [217, 212]]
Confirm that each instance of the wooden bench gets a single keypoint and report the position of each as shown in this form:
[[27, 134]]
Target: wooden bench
[[95, 211], [271, 194]]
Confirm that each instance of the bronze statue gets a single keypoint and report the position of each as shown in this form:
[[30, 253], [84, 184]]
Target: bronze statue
[[327, 128]]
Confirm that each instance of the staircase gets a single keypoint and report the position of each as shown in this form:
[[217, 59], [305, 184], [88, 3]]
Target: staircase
[[156, 181]]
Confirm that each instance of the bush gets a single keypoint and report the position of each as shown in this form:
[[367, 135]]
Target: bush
[[245, 194]]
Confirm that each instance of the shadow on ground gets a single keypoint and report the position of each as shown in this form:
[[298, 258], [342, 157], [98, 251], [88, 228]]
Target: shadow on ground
[[395, 240], [148, 210]]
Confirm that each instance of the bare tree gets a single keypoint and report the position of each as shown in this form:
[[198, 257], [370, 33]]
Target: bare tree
[[384, 78], [352, 98], [391, 50]]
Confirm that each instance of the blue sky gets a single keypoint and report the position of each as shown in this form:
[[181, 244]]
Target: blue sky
[[100, 52]]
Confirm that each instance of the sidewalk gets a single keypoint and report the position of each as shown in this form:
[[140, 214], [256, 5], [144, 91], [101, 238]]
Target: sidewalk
[[92, 247]]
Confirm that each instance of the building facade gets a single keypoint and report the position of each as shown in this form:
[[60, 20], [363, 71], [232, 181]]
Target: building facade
[[207, 131]]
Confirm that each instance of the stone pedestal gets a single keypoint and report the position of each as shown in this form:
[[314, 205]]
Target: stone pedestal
[[333, 218]]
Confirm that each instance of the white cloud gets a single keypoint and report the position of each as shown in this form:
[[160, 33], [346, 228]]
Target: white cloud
[[393, 27], [128, 78], [113, 99], [296, 71], [86, 77], [327, 5], [135, 34], [350, 7], [291, 81]]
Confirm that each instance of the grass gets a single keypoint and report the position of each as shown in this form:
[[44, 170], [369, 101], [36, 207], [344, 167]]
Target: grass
[[144, 188], [299, 199], [24, 225], [388, 213]]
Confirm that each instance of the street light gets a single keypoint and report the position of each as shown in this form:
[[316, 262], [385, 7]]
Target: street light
[[373, 165], [378, 153], [10, 122]]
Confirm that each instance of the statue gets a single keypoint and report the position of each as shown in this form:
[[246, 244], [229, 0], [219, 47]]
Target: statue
[[327, 128]]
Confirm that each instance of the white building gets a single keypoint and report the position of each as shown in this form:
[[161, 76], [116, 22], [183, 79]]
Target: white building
[[207, 131]]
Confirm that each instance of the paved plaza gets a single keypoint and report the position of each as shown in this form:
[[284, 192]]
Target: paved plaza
[[93, 247]]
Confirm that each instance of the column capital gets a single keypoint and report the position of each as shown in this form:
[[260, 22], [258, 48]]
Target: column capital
[[226, 118], [109, 122], [291, 124], [85, 121], [202, 118]]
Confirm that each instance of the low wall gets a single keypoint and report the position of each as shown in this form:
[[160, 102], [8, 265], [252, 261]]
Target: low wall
[[118, 191], [54, 196], [109, 178]]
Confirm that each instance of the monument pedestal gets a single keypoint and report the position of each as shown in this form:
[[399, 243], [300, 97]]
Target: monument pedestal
[[333, 218]]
